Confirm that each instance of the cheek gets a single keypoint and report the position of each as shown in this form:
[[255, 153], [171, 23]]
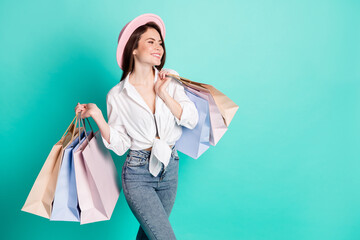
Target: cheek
[[147, 49], [143, 48]]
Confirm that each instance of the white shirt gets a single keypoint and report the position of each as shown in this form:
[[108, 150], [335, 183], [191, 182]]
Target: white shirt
[[132, 123]]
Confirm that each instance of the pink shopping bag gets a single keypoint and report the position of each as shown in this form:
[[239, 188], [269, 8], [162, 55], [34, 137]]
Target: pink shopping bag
[[96, 180]]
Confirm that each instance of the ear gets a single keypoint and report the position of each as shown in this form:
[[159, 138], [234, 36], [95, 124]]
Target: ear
[[134, 52]]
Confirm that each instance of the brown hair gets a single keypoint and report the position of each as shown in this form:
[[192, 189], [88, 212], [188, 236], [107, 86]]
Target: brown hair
[[128, 57]]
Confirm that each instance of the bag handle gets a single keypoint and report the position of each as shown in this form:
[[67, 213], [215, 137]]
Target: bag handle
[[175, 77], [79, 118], [178, 77], [188, 83], [73, 133], [69, 126], [72, 127], [185, 81], [84, 126]]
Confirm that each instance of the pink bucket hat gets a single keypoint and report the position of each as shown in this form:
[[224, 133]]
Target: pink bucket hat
[[131, 26]]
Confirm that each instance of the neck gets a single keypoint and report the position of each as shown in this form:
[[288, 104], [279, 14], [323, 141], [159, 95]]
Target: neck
[[142, 75]]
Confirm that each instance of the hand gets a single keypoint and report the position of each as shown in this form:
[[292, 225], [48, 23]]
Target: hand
[[162, 83], [87, 110]]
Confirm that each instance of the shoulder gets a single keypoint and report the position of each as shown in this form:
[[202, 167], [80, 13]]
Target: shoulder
[[173, 82], [171, 71], [115, 91]]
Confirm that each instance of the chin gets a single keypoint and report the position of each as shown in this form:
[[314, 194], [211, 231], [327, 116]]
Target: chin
[[157, 63]]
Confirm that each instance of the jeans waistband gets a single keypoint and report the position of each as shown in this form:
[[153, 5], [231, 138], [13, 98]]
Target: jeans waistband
[[144, 153]]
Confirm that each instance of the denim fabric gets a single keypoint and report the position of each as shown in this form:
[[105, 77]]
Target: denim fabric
[[150, 198]]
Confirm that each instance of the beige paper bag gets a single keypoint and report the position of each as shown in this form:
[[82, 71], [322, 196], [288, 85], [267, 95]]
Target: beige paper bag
[[226, 106], [40, 198]]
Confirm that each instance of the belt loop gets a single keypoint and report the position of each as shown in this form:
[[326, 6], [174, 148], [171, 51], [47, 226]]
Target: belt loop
[[163, 173]]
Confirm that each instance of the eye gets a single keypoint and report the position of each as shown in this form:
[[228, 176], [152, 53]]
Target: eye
[[151, 42]]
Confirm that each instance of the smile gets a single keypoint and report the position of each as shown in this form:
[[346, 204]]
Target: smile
[[156, 55]]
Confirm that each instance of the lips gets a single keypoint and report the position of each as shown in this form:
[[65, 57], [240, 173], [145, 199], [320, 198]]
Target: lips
[[156, 55]]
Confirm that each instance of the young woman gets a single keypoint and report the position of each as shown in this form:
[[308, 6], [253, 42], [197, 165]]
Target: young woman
[[146, 111]]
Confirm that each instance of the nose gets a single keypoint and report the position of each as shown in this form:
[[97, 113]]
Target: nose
[[158, 47]]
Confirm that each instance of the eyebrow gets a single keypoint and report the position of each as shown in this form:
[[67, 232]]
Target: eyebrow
[[153, 39]]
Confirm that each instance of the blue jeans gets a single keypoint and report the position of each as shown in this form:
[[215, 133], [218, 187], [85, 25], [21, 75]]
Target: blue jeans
[[150, 198]]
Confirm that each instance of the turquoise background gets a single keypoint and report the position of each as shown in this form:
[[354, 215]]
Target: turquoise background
[[287, 168]]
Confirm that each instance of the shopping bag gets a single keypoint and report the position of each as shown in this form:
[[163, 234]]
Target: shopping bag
[[40, 198], [91, 209], [218, 127], [96, 180], [194, 142], [226, 106], [65, 205]]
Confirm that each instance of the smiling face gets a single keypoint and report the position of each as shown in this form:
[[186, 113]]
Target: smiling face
[[144, 47], [150, 48]]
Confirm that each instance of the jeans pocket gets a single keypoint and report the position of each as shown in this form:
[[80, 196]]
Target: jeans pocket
[[135, 161]]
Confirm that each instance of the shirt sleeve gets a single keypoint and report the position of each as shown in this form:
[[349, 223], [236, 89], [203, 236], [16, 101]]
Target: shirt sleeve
[[120, 141], [190, 116]]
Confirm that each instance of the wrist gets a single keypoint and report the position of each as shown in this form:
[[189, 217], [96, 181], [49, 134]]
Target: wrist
[[164, 95], [96, 113]]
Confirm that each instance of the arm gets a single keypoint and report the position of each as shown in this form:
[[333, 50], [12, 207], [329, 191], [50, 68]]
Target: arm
[[173, 105], [102, 124], [113, 133], [190, 116], [183, 109]]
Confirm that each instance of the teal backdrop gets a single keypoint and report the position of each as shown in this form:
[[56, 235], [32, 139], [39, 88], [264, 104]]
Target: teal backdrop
[[288, 166]]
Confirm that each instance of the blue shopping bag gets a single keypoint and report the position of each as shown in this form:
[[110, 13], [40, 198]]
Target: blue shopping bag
[[194, 142], [65, 204]]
